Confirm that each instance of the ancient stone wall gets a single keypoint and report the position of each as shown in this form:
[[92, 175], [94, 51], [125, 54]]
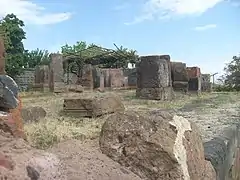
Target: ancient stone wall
[[97, 73], [131, 75], [113, 78], [86, 80], [56, 73], [42, 74], [41, 82], [154, 78], [194, 74], [179, 76], [116, 78], [25, 79]]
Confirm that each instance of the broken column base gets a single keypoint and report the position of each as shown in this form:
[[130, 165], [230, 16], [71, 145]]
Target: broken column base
[[92, 106], [165, 93]]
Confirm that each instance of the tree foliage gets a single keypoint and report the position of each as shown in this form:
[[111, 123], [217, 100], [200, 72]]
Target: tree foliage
[[231, 79], [11, 28], [36, 57], [81, 53], [17, 58]]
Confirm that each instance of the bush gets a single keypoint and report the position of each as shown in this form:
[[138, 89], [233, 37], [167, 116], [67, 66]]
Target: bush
[[226, 88]]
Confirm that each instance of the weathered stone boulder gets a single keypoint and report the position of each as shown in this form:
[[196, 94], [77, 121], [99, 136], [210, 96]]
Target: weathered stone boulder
[[9, 124], [8, 92], [92, 106], [86, 162], [224, 153], [33, 114], [156, 145], [71, 159], [20, 161]]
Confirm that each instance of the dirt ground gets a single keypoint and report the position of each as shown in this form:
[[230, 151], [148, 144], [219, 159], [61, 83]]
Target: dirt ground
[[212, 112], [75, 140]]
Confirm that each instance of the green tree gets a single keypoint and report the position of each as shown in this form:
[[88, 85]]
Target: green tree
[[81, 53], [232, 76], [36, 57], [75, 49], [13, 33]]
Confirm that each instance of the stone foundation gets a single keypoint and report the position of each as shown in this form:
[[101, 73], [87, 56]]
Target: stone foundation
[[224, 154], [166, 93]]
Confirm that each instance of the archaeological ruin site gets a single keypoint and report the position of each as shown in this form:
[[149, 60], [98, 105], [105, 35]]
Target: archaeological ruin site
[[158, 121]]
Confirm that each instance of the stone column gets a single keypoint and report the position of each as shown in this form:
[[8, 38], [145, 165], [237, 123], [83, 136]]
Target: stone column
[[56, 73], [153, 78]]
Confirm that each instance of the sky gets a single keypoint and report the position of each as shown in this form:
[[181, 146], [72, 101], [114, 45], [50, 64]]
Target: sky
[[203, 33]]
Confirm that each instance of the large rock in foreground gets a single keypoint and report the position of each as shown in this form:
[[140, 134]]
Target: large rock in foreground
[[19, 161], [69, 160], [84, 161], [156, 145], [8, 93]]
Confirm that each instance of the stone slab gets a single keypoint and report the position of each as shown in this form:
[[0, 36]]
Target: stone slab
[[93, 106], [223, 152]]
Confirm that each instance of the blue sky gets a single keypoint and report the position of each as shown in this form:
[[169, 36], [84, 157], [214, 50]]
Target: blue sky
[[202, 33]]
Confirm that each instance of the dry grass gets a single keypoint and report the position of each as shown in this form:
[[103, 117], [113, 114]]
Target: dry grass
[[55, 128]]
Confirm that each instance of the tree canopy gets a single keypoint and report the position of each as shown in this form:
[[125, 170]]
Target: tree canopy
[[18, 58], [231, 79], [12, 31], [80, 53], [36, 57]]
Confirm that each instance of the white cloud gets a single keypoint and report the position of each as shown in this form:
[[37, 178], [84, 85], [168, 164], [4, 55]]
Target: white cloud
[[205, 27], [162, 9], [30, 12]]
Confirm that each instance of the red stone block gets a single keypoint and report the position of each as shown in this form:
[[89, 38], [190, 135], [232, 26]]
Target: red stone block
[[193, 72]]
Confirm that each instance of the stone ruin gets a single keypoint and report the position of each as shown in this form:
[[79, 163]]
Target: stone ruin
[[86, 79], [92, 106], [151, 145], [56, 73], [179, 76], [113, 78], [154, 78], [41, 78], [194, 84], [91, 77], [157, 77], [131, 76]]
